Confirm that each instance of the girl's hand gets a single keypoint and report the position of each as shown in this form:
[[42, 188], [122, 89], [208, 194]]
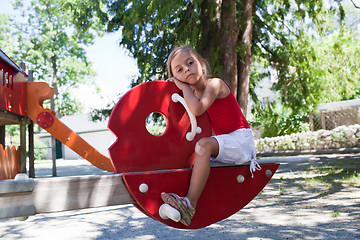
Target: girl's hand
[[179, 84]]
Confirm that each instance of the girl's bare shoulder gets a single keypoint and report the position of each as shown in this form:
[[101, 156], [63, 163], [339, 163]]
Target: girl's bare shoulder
[[221, 86], [215, 82]]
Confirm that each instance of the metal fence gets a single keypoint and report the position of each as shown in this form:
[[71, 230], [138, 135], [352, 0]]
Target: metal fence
[[330, 119]]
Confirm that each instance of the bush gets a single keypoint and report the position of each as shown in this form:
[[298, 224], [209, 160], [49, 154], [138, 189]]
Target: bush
[[40, 149], [274, 120], [340, 137]]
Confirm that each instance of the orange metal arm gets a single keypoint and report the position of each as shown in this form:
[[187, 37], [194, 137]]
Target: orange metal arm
[[37, 92]]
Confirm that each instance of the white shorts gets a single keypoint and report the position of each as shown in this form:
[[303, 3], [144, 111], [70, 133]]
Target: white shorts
[[236, 147]]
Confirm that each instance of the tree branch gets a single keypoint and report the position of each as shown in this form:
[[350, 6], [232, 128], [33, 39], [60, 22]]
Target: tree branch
[[358, 7], [189, 8]]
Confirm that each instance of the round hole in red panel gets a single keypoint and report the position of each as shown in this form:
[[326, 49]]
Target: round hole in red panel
[[137, 150], [156, 124]]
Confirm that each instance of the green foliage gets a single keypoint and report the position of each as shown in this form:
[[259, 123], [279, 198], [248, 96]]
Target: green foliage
[[156, 130], [155, 123], [7, 40], [13, 139], [151, 29], [324, 70], [316, 63], [291, 37], [48, 42], [275, 120], [102, 114], [340, 65], [40, 149]]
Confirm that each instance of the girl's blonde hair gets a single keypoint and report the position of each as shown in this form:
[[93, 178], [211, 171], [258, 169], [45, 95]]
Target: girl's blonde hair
[[176, 50]]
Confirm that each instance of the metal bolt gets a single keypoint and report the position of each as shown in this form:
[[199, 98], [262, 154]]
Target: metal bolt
[[143, 188], [268, 173], [240, 178]]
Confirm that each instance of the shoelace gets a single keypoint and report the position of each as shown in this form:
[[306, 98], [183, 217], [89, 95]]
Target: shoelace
[[253, 167]]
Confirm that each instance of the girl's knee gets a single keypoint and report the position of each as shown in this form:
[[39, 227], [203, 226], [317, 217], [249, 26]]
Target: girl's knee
[[206, 145], [199, 149]]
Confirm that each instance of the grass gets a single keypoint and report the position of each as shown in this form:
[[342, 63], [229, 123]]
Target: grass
[[341, 171], [335, 214]]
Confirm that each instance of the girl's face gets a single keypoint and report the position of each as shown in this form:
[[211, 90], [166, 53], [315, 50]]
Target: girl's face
[[187, 68]]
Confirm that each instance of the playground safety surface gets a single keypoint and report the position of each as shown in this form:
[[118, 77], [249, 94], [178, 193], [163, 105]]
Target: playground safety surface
[[304, 200]]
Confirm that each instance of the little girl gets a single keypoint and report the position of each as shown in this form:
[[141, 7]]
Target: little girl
[[232, 141]]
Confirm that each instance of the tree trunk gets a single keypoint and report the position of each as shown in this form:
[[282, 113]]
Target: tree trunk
[[54, 108], [208, 45], [244, 56], [229, 36]]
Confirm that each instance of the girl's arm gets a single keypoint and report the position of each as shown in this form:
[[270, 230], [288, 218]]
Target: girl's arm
[[197, 105]]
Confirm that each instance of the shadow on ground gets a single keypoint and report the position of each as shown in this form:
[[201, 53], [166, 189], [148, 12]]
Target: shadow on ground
[[318, 199]]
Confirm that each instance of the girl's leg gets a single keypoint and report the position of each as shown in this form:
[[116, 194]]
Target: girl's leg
[[206, 147]]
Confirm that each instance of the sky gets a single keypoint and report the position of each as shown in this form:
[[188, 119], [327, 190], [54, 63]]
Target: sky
[[112, 63], [114, 68]]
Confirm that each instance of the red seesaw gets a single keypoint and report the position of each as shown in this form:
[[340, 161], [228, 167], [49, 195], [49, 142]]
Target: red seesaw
[[145, 165]]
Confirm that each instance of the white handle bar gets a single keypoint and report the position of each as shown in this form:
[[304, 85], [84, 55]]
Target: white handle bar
[[166, 211], [194, 128]]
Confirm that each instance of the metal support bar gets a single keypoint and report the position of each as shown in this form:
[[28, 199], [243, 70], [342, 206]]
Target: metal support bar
[[265, 160], [31, 136], [53, 143], [31, 149]]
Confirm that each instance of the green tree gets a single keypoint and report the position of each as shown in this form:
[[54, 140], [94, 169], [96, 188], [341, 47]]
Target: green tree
[[49, 43], [150, 29], [230, 34], [6, 38], [321, 69]]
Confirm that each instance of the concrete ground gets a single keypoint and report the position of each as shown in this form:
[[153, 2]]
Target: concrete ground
[[298, 203]]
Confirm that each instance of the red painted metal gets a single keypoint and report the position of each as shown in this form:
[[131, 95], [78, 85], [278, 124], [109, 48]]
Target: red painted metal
[[222, 197], [38, 92], [45, 120], [12, 86], [138, 154], [135, 148]]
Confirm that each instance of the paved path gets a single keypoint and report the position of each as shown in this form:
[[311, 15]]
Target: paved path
[[288, 208]]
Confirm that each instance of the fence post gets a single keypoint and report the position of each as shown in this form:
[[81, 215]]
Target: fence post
[[311, 119], [322, 116]]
